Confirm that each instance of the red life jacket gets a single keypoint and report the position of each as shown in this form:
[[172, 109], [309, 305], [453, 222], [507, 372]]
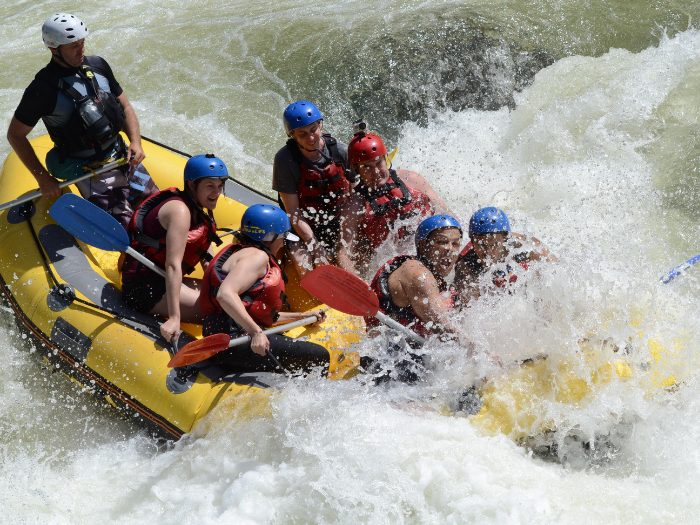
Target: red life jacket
[[391, 202], [321, 195], [469, 256], [263, 301], [200, 236], [405, 315]]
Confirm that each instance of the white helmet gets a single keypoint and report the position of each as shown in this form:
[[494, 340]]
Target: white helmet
[[61, 29]]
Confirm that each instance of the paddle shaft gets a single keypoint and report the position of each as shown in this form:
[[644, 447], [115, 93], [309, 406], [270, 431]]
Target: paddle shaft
[[399, 327], [276, 330], [679, 269], [207, 347], [146, 262], [87, 175]]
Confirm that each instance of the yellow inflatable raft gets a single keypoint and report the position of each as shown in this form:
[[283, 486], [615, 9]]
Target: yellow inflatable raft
[[528, 401], [120, 356]]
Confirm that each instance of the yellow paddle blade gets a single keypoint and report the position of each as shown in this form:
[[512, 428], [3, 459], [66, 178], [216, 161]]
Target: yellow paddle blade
[[390, 156]]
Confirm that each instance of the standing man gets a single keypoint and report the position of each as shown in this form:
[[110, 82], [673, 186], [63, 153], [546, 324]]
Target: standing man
[[83, 108], [311, 175], [384, 202]]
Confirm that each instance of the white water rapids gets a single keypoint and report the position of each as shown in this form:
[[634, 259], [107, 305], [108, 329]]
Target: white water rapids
[[598, 158]]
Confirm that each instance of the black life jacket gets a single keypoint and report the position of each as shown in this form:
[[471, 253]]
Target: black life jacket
[[96, 121]]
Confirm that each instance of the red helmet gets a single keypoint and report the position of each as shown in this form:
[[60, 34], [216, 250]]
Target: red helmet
[[364, 147]]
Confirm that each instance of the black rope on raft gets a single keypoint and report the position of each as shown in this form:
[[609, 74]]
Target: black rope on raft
[[164, 146]]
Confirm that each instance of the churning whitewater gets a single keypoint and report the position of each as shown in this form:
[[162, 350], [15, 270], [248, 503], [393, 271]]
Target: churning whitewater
[[580, 122]]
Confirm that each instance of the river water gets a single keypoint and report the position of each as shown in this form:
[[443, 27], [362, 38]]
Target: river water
[[580, 119]]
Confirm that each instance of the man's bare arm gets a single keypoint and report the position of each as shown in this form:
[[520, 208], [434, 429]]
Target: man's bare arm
[[538, 253], [416, 181], [291, 205], [414, 284], [17, 137]]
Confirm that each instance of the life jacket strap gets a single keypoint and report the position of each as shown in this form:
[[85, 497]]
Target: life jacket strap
[[382, 209], [204, 255], [324, 183], [142, 238]]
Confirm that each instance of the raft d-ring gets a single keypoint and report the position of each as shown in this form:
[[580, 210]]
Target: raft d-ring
[[21, 213], [60, 297], [181, 379]]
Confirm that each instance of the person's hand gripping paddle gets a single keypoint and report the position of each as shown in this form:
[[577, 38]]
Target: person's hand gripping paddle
[[207, 347], [86, 175]]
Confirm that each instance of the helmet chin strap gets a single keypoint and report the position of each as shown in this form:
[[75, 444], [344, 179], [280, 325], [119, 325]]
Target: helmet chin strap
[[309, 150], [319, 150], [59, 55], [192, 194], [329, 159]]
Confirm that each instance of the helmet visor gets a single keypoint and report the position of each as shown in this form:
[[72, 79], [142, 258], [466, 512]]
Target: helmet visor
[[273, 236]]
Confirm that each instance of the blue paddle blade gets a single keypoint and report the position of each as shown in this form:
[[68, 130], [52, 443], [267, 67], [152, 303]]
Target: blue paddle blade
[[88, 223]]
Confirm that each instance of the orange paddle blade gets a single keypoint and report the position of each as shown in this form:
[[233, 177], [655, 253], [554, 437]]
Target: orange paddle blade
[[341, 290], [200, 350]]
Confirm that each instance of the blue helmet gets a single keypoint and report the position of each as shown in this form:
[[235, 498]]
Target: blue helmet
[[261, 219], [299, 114], [205, 166], [489, 220], [434, 223]]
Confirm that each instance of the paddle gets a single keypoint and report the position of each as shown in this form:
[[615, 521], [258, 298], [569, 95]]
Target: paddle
[[390, 156], [94, 226], [87, 175], [347, 293], [679, 269], [206, 347]]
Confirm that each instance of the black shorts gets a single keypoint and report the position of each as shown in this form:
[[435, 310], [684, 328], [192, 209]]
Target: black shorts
[[142, 293], [293, 354]]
